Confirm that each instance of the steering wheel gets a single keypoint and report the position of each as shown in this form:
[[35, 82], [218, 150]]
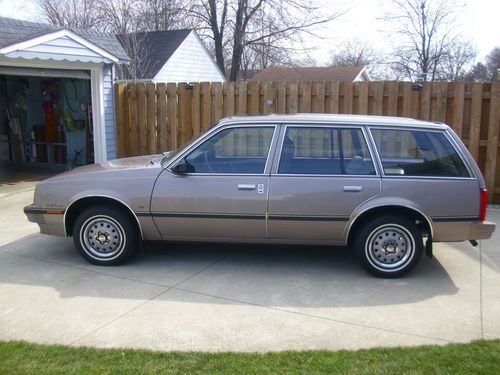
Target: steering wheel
[[207, 163]]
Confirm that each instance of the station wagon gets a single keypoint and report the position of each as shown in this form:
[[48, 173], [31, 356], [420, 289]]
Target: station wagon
[[385, 187]]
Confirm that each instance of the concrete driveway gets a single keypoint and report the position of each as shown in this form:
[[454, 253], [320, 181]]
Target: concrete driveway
[[237, 298]]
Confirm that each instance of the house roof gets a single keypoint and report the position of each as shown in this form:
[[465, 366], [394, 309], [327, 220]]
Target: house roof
[[160, 45], [13, 31], [331, 73]]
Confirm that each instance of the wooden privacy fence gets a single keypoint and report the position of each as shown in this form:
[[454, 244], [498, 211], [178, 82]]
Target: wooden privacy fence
[[152, 118]]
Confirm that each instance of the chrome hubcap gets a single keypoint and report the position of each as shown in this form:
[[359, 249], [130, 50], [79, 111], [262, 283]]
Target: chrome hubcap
[[102, 237], [390, 247]]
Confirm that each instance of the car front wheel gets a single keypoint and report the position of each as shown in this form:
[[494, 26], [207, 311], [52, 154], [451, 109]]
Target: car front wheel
[[389, 246], [105, 236]]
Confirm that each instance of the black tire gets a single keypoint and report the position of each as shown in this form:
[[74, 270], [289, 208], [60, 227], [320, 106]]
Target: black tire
[[388, 246], [105, 236]]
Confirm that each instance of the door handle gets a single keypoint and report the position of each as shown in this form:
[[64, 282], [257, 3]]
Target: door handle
[[353, 189], [246, 186]]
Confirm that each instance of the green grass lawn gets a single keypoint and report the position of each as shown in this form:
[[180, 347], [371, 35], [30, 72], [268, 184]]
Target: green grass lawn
[[478, 357]]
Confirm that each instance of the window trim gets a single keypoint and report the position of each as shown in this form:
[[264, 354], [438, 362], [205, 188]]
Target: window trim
[[275, 167], [213, 133], [453, 144]]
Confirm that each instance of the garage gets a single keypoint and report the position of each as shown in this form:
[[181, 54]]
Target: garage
[[56, 95]]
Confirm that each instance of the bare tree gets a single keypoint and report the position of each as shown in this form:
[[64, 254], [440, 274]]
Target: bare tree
[[239, 24], [457, 61], [354, 53], [493, 64], [427, 30], [78, 14], [136, 46], [159, 15]]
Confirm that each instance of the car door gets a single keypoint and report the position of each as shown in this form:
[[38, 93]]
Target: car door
[[323, 173], [223, 194]]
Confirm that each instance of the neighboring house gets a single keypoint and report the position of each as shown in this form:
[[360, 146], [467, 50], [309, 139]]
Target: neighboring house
[[55, 77], [331, 73], [170, 56]]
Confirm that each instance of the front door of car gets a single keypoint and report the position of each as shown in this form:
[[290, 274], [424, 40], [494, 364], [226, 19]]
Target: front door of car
[[219, 190], [322, 175]]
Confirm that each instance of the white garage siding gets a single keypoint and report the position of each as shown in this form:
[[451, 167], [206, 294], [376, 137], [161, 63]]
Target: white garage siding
[[190, 62], [109, 112]]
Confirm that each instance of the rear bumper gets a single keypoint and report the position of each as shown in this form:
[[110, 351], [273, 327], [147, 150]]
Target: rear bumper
[[454, 231], [481, 230], [50, 221]]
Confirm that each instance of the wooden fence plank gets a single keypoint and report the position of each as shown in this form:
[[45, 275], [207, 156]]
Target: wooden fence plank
[[305, 96], [161, 126], [318, 97], [121, 133], [439, 107], [127, 122], [492, 147], [458, 107], [206, 106], [378, 98], [281, 97], [142, 119], [151, 117], [172, 114], [407, 99], [228, 93], [242, 90], [475, 120], [217, 104], [425, 102], [292, 97], [196, 109], [268, 99], [392, 98], [184, 125], [253, 98], [362, 98], [333, 97]]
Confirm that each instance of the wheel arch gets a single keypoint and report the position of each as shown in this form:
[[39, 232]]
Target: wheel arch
[[79, 204], [423, 222]]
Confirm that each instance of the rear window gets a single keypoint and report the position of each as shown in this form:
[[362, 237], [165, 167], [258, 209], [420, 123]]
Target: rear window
[[418, 153]]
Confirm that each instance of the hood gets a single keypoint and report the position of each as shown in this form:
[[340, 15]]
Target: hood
[[136, 162]]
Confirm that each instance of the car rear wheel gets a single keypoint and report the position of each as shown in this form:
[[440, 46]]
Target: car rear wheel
[[105, 236], [389, 246]]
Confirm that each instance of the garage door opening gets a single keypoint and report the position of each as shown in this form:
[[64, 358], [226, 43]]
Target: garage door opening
[[45, 118]]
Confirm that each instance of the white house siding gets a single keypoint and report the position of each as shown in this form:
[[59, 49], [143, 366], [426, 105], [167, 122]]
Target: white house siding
[[109, 112], [62, 48], [190, 62]]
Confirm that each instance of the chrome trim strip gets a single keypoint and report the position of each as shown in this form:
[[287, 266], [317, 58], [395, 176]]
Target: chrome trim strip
[[439, 219], [308, 218], [101, 196], [208, 215]]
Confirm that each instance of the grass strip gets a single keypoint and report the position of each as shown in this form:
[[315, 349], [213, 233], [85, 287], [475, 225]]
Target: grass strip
[[478, 357]]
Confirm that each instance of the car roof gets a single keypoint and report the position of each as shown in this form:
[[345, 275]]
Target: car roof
[[317, 118]]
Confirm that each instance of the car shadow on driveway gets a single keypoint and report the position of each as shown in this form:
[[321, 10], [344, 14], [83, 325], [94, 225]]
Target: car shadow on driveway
[[279, 276]]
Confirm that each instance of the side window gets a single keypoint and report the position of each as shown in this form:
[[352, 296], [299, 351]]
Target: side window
[[321, 150], [418, 153], [234, 150]]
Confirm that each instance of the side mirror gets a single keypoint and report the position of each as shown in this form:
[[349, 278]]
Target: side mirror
[[182, 167]]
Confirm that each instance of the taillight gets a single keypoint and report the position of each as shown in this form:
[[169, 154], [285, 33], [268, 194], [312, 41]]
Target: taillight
[[484, 202]]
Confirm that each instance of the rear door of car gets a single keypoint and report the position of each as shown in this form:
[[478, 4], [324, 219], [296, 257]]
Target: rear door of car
[[224, 194], [320, 175]]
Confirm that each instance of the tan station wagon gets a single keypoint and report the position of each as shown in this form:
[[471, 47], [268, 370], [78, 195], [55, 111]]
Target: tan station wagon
[[382, 186]]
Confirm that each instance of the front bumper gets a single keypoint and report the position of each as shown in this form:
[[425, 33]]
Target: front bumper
[[50, 221]]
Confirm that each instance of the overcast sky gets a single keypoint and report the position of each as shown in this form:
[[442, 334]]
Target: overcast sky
[[480, 20]]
